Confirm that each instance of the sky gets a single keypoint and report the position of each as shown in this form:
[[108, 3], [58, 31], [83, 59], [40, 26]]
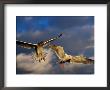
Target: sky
[[77, 39]]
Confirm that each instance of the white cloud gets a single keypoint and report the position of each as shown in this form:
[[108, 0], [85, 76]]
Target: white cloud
[[28, 18], [29, 34], [25, 62], [50, 66]]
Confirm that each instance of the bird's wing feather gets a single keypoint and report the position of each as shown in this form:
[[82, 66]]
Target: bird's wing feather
[[43, 43], [25, 44]]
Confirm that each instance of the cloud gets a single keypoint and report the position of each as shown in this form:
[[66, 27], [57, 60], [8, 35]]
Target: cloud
[[28, 18], [30, 35], [25, 63], [77, 68], [71, 21], [76, 40]]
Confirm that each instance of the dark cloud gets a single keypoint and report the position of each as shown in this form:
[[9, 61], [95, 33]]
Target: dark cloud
[[67, 22]]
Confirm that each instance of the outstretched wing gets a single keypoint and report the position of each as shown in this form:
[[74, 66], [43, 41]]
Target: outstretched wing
[[44, 43], [25, 44]]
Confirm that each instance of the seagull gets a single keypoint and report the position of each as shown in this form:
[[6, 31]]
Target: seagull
[[39, 47], [64, 57]]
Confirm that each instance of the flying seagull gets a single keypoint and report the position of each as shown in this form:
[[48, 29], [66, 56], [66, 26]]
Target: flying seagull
[[39, 47], [64, 57]]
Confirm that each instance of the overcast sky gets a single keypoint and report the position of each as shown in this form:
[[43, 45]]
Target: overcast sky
[[78, 38]]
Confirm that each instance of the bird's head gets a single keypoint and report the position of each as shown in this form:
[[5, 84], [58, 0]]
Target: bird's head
[[88, 61]]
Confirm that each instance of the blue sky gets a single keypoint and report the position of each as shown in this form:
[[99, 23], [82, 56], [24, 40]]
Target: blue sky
[[44, 22], [78, 38]]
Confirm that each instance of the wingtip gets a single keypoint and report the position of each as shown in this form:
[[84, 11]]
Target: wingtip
[[60, 34]]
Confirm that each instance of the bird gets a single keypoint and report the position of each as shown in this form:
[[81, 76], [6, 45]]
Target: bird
[[39, 47], [64, 57]]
